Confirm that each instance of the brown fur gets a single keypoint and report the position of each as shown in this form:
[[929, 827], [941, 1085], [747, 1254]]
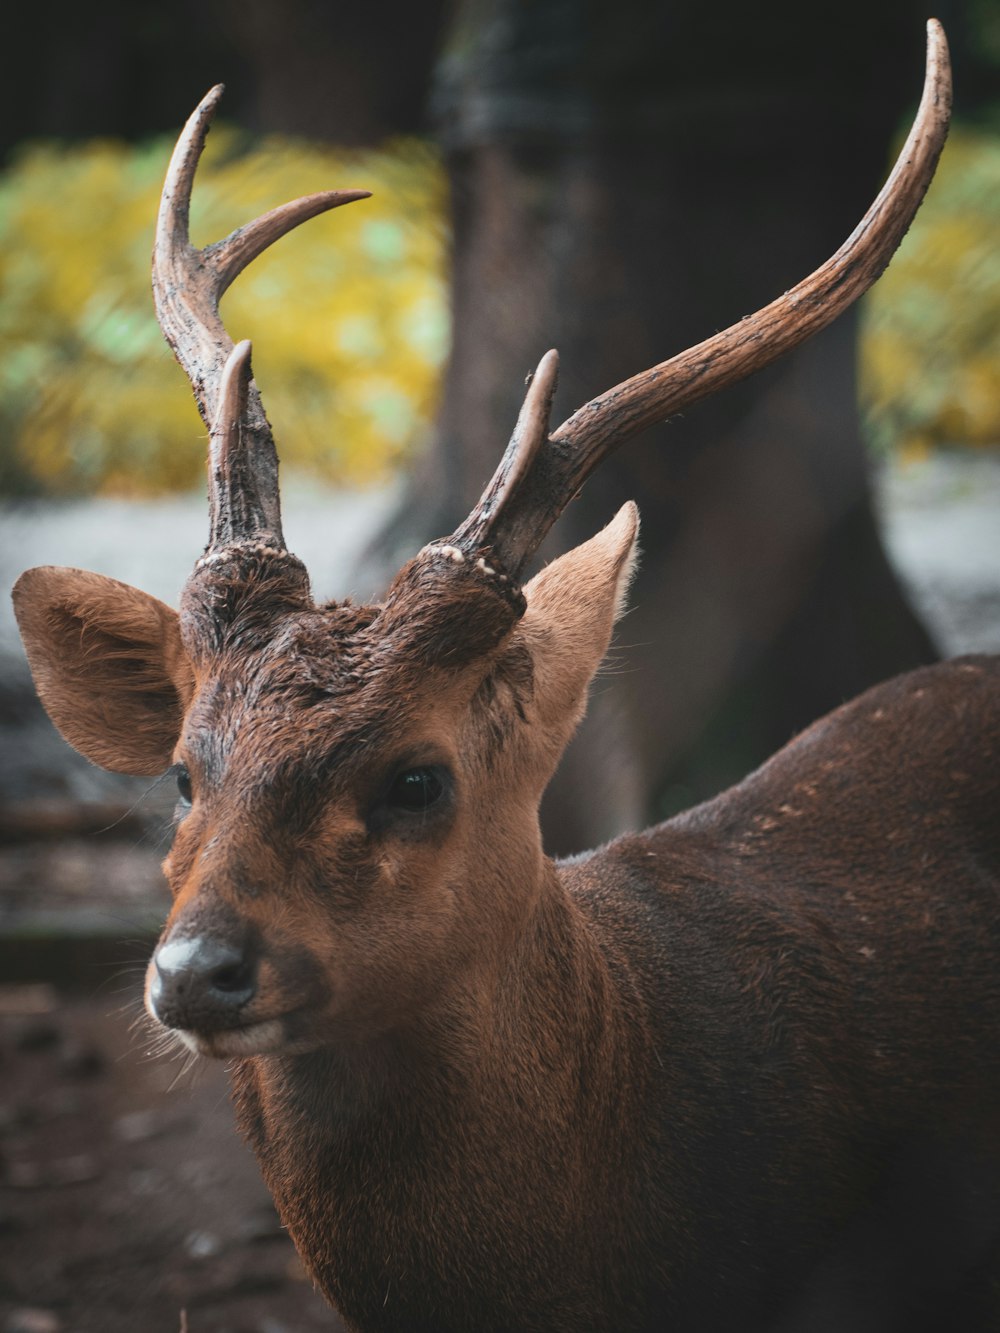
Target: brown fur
[[739, 1072]]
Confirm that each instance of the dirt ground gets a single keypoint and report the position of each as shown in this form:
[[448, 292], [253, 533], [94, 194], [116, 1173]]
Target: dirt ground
[[127, 1196]]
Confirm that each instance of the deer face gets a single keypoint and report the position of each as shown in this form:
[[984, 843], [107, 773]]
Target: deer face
[[355, 784]]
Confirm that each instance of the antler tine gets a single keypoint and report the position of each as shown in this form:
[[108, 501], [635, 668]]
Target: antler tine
[[234, 509], [185, 307], [515, 529], [175, 199], [530, 433], [228, 258], [187, 286]]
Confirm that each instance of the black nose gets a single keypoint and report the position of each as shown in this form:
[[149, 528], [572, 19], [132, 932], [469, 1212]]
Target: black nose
[[201, 982]]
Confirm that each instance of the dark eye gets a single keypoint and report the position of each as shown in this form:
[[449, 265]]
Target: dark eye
[[184, 784], [415, 789]]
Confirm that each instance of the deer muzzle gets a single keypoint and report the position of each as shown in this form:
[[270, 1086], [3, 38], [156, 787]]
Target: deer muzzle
[[202, 987]]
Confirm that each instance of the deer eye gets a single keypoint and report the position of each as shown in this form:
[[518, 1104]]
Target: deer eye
[[415, 789], [184, 788]]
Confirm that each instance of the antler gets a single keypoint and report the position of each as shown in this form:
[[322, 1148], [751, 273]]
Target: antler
[[540, 474], [187, 287]]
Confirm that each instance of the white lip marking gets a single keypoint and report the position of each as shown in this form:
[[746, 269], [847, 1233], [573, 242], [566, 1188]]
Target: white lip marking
[[256, 1039]]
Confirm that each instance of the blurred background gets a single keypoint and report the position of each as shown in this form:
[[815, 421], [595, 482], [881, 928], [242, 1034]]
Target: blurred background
[[618, 180]]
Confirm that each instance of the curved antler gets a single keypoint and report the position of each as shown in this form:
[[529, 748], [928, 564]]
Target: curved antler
[[538, 477], [187, 286]]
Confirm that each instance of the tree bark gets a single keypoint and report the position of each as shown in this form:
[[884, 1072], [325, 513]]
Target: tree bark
[[626, 179]]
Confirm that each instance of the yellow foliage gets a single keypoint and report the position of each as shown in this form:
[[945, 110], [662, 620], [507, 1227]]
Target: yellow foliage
[[349, 315], [930, 351], [90, 398]]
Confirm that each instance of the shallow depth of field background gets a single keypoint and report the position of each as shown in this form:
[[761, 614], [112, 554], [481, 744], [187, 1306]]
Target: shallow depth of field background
[[124, 1195], [350, 319]]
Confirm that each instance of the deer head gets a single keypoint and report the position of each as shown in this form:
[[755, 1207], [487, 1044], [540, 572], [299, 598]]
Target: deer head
[[358, 785]]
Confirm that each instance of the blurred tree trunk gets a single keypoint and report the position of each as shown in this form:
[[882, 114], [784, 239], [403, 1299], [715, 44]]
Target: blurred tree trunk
[[352, 74], [626, 179]]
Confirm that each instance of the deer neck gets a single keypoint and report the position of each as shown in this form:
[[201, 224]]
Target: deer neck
[[488, 1101], [509, 1059], [545, 998]]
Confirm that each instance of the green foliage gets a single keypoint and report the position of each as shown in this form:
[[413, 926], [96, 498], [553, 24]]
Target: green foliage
[[931, 335], [347, 317]]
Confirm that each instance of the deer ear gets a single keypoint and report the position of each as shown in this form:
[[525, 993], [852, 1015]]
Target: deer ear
[[572, 607], [108, 665]]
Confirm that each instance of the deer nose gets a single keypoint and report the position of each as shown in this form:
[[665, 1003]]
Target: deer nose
[[201, 982]]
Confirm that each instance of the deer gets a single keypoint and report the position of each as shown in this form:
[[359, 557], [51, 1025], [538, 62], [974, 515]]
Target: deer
[[740, 1071]]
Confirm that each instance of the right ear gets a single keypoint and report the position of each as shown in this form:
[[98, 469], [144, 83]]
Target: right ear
[[572, 608], [108, 665]]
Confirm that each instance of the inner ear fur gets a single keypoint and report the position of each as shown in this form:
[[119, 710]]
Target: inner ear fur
[[108, 665], [572, 607]]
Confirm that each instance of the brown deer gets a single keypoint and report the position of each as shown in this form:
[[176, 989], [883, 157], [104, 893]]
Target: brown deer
[[738, 1072]]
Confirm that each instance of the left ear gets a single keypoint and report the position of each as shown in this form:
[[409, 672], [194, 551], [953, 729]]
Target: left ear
[[572, 607], [108, 664]]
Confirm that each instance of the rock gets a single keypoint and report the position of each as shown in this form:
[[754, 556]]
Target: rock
[[202, 1245], [32, 1320], [30, 999], [262, 1224], [138, 1126], [79, 1169]]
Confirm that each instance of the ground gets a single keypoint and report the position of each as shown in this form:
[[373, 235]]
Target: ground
[[125, 1194]]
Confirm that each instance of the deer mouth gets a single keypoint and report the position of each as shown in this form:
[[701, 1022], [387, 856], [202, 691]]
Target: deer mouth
[[263, 1038], [267, 1036]]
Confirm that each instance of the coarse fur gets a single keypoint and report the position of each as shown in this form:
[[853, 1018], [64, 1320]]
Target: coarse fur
[[738, 1073]]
